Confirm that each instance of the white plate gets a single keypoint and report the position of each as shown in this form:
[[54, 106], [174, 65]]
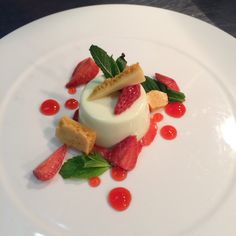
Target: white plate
[[180, 187]]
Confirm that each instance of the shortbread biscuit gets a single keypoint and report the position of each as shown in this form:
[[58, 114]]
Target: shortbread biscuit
[[75, 135], [156, 99]]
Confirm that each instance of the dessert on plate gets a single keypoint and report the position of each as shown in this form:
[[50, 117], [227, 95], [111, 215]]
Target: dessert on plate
[[99, 115], [116, 118]]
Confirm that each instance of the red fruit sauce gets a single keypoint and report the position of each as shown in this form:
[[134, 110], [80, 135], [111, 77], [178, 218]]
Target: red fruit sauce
[[150, 135], [71, 104], [118, 173], [175, 109], [49, 107], [157, 117], [168, 132], [119, 198], [94, 181], [71, 90]]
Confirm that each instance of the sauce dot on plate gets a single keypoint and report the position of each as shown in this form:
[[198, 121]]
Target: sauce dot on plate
[[175, 109], [157, 117], [49, 107], [118, 173], [168, 132], [71, 90], [71, 104], [119, 198], [94, 181]]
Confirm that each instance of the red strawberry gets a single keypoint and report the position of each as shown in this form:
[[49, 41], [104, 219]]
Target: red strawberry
[[169, 82], [127, 97], [85, 71], [48, 168], [140, 147], [150, 135], [76, 115], [105, 152], [125, 153]]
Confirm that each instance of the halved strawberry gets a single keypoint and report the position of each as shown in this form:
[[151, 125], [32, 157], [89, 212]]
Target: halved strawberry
[[150, 135], [85, 71], [140, 147], [105, 152], [127, 97], [169, 82], [125, 153], [48, 169]]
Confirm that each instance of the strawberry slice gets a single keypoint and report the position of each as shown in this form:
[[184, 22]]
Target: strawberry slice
[[48, 168], [125, 153], [140, 147], [105, 152], [169, 82], [76, 115], [150, 135], [85, 71], [127, 97]]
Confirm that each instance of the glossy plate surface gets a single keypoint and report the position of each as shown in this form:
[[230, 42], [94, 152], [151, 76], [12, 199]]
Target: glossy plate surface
[[180, 187]]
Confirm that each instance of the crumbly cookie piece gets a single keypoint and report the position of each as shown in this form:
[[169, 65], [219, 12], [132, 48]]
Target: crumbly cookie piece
[[156, 99], [75, 135]]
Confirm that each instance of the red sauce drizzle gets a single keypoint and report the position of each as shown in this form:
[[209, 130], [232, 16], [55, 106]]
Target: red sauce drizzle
[[168, 132], [150, 135], [118, 173], [71, 104], [49, 107], [175, 109], [157, 117], [119, 198], [94, 181], [71, 90]]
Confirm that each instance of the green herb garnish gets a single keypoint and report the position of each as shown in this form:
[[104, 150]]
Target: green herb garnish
[[106, 63], [152, 84], [121, 62], [149, 84], [84, 166], [175, 96]]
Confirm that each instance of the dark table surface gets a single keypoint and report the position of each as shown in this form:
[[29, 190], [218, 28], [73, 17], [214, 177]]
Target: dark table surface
[[16, 13]]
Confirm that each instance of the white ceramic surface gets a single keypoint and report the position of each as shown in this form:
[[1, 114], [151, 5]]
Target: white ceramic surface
[[180, 187]]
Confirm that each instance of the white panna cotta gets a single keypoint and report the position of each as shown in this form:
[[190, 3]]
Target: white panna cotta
[[110, 128]]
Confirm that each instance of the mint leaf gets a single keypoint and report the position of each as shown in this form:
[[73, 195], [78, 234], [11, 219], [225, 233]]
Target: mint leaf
[[175, 96], [152, 84], [87, 173], [149, 84], [70, 167], [84, 166], [162, 87], [96, 160], [114, 67], [121, 62], [106, 63]]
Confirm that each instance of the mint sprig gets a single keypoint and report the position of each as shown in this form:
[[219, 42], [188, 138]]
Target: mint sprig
[[121, 62], [152, 84], [84, 166], [107, 64]]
